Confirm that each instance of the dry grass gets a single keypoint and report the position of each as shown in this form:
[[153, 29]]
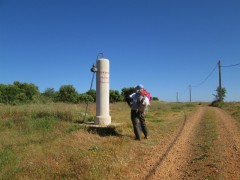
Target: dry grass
[[233, 108], [46, 142]]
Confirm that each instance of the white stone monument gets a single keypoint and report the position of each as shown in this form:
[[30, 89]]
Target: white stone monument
[[102, 90]]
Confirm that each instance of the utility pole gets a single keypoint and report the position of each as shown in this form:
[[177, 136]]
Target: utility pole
[[190, 93], [220, 81]]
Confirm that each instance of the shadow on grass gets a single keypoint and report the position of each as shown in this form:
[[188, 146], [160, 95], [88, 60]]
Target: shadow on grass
[[103, 131]]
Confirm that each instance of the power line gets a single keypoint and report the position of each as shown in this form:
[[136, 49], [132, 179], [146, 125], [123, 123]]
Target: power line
[[209, 75], [206, 77], [238, 64], [190, 86], [183, 92]]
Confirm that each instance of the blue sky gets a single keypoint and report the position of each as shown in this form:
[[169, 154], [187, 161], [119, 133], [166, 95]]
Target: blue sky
[[166, 45]]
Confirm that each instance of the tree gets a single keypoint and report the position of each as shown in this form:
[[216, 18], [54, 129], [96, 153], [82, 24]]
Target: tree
[[221, 94], [28, 89], [11, 94], [93, 94], [85, 98], [115, 96], [50, 93], [126, 92], [155, 98], [67, 93], [3, 97]]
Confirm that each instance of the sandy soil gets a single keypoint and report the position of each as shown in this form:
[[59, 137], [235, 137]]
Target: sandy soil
[[228, 145], [170, 159]]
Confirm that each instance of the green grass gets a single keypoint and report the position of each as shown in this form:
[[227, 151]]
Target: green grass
[[157, 120], [47, 142], [9, 164], [201, 157]]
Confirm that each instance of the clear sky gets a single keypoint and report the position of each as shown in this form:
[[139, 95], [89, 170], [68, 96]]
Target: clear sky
[[166, 45]]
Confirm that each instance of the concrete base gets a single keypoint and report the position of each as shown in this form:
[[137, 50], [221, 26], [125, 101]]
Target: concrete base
[[102, 120], [112, 125]]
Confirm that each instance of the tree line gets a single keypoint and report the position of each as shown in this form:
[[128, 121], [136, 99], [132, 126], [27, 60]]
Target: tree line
[[22, 93]]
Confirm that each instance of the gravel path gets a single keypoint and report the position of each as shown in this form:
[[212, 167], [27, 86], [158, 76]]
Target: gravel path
[[171, 157], [228, 144]]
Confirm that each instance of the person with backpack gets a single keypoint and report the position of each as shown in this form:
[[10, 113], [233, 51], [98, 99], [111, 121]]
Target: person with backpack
[[138, 102]]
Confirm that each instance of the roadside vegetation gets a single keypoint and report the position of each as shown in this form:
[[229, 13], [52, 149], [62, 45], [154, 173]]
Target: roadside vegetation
[[28, 93], [233, 108], [46, 141]]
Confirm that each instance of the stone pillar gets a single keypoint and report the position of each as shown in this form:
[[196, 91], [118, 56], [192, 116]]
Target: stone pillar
[[102, 90]]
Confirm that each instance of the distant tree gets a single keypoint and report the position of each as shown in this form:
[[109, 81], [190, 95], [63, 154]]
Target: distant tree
[[21, 98], [115, 96], [85, 98], [93, 94], [28, 89], [11, 94], [154, 98], [3, 97], [18, 93], [50, 93], [219, 91], [67, 93], [218, 102], [126, 92]]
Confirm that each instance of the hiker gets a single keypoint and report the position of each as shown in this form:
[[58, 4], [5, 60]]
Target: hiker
[[138, 103]]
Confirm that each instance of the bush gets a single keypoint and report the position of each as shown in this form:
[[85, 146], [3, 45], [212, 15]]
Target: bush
[[126, 92], [68, 93], [115, 96], [17, 93], [217, 103], [85, 98]]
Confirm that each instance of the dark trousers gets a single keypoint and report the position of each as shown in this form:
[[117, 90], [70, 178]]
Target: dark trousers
[[139, 124]]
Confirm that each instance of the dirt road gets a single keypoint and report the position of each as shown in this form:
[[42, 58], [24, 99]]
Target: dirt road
[[207, 146], [228, 144]]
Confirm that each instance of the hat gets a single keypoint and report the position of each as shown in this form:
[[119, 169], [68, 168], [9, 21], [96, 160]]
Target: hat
[[139, 86]]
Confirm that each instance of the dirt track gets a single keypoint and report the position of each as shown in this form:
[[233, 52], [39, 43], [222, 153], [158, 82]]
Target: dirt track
[[173, 158], [228, 145]]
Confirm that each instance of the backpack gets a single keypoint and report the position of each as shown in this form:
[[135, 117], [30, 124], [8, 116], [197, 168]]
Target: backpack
[[146, 93], [142, 105]]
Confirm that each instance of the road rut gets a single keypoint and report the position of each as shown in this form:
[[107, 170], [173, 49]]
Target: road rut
[[172, 160]]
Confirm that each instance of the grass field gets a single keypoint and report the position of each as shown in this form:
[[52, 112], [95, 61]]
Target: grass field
[[233, 108], [48, 142]]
